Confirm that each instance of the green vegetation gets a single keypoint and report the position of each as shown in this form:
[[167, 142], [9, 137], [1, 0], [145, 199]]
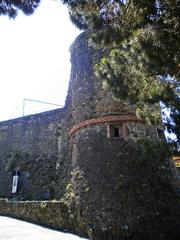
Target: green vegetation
[[142, 42], [11, 7]]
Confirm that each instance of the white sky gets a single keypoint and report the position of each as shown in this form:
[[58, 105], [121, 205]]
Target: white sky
[[34, 59]]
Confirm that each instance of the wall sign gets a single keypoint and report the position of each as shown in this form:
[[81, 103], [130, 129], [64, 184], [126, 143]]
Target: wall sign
[[16, 175]]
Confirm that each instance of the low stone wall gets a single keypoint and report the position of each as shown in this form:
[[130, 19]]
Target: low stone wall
[[53, 214]]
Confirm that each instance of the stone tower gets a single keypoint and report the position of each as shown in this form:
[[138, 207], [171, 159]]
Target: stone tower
[[91, 102], [108, 169], [111, 181]]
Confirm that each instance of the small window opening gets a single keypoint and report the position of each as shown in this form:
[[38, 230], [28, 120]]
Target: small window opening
[[115, 131]]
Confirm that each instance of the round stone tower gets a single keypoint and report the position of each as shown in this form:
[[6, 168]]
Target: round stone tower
[[111, 184], [92, 103]]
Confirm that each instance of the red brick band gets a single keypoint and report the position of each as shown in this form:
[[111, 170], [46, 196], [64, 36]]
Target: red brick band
[[101, 120]]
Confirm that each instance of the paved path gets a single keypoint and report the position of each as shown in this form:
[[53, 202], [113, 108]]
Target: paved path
[[12, 229]]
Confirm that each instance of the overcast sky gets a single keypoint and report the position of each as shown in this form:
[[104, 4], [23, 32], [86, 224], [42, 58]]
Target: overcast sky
[[34, 59]]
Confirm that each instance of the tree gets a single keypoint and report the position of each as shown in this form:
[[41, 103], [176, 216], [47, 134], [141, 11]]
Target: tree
[[137, 197], [143, 38], [11, 7]]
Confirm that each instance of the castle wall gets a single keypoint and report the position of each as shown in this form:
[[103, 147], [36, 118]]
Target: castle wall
[[118, 184], [115, 172], [107, 167], [30, 144], [87, 95]]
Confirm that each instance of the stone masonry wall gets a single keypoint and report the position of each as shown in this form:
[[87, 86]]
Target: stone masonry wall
[[109, 169], [87, 96], [120, 188], [30, 144], [52, 214], [122, 184]]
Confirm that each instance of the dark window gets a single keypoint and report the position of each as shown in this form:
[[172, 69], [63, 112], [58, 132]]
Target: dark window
[[115, 131]]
